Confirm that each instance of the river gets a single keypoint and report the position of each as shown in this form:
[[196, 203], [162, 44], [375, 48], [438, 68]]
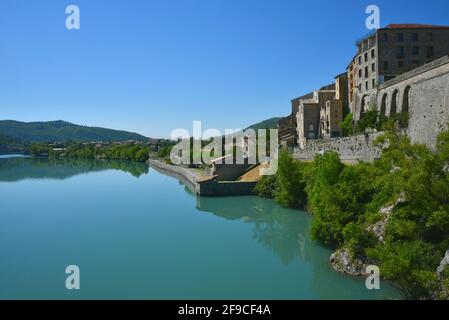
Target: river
[[135, 233]]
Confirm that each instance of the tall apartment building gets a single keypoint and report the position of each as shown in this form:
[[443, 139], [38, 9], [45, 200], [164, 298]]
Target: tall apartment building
[[387, 53]]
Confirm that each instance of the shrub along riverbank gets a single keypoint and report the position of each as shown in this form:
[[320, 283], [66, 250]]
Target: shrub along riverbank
[[346, 203]]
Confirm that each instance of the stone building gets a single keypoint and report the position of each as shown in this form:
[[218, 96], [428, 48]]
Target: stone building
[[309, 112], [333, 111], [286, 132], [287, 126], [422, 92], [387, 53]]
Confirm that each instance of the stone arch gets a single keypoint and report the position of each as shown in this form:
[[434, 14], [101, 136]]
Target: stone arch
[[394, 102], [383, 105], [364, 105], [405, 107], [406, 99]]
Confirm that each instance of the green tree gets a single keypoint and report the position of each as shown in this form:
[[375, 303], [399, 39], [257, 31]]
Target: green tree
[[291, 182], [267, 186], [368, 120], [347, 126]]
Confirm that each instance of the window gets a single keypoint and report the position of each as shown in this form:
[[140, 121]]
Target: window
[[373, 67], [429, 36], [373, 83], [360, 60], [415, 37], [360, 73], [366, 72], [385, 37], [415, 51], [359, 87], [400, 53], [366, 57], [400, 64], [366, 85], [429, 52], [400, 37], [385, 65], [373, 54]]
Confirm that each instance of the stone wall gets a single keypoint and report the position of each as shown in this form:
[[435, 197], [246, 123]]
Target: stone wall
[[213, 188], [180, 173], [350, 149], [432, 117], [228, 172], [424, 94], [207, 188]]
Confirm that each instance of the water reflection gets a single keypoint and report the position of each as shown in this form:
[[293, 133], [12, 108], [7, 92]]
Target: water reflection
[[174, 250], [284, 232], [19, 168]]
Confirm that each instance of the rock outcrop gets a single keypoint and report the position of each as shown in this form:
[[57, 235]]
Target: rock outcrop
[[343, 261], [379, 227], [442, 292], [443, 264]]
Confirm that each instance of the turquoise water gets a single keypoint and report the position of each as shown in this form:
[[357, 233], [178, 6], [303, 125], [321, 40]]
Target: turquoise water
[[137, 234]]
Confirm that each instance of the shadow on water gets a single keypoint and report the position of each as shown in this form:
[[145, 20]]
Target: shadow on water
[[15, 169]]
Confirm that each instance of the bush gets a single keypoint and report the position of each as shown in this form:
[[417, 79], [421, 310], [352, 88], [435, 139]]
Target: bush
[[266, 187], [291, 182], [347, 126], [368, 120]]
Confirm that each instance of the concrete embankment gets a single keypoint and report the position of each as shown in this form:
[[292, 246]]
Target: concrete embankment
[[202, 186], [185, 176]]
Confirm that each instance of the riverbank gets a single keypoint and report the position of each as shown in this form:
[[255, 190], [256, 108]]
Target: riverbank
[[391, 213]]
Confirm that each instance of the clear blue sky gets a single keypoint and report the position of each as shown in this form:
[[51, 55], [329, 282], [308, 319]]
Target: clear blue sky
[[153, 66]]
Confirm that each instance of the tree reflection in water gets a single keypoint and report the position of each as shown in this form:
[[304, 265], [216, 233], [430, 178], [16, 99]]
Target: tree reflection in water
[[282, 231], [15, 169]]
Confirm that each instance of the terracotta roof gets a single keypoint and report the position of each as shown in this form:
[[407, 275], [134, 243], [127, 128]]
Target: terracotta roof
[[415, 26]]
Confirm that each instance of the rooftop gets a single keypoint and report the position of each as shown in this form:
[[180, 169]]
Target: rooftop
[[306, 96], [399, 26], [414, 26]]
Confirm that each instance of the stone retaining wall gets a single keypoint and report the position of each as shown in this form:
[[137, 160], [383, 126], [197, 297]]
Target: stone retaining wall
[[180, 173], [350, 149], [207, 188]]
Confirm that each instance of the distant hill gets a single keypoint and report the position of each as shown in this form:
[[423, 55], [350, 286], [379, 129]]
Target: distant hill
[[62, 131], [271, 123], [11, 145]]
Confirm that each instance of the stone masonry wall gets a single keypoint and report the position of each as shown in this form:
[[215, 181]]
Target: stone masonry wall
[[350, 149], [427, 91], [432, 115]]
